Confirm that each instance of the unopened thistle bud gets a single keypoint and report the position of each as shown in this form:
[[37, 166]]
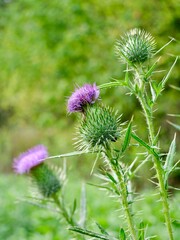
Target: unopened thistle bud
[[32, 162], [99, 127], [137, 46], [46, 180]]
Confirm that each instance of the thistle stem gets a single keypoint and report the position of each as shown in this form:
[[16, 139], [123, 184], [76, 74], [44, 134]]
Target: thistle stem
[[157, 164], [69, 219], [62, 208], [123, 192]]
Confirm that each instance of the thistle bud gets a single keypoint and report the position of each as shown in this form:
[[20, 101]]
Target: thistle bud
[[137, 46], [47, 182], [99, 127]]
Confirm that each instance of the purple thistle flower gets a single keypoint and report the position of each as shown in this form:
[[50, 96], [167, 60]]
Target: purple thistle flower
[[83, 96], [29, 159]]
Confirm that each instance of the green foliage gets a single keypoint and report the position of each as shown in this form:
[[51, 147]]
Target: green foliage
[[20, 220]]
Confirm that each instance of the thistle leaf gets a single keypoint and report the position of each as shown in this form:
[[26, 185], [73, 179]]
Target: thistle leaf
[[127, 137], [151, 69], [153, 91], [82, 221], [164, 80], [122, 235], [103, 231], [168, 166], [91, 233], [144, 144], [113, 84], [111, 177]]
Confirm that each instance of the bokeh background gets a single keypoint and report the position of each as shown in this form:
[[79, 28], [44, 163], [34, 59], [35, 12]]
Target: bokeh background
[[46, 49]]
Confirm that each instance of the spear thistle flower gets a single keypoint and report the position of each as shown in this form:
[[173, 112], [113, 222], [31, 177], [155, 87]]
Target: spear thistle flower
[[136, 46], [27, 160], [32, 162], [82, 97]]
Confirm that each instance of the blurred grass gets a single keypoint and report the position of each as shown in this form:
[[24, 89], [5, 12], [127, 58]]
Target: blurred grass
[[19, 220]]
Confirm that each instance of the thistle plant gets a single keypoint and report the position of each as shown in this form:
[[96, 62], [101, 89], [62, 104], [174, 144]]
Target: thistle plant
[[101, 132]]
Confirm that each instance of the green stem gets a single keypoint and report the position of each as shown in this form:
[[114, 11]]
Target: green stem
[[62, 208], [123, 193], [158, 166]]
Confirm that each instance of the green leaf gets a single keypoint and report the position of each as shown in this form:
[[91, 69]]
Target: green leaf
[[144, 144], [150, 71], [111, 177], [164, 80], [90, 233], [83, 207], [168, 166], [112, 84], [153, 91], [122, 235], [141, 232], [103, 231], [127, 137]]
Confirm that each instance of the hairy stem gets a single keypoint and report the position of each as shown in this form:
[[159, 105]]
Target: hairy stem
[[123, 192], [62, 208], [157, 163]]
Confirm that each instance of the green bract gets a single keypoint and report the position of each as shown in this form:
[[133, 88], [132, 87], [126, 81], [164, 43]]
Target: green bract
[[45, 179], [99, 127], [137, 46]]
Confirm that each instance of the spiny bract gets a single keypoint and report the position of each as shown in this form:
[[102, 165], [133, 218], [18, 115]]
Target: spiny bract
[[99, 127], [137, 46]]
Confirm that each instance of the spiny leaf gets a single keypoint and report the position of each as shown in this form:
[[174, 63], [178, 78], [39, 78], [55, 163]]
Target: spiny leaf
[[111, 177], [112, 84], [127, 137], [103, 187], [122, 235], [164, 80], [144, 144], [151, 69], [168, 166], [103, 231], [91, 233], [153, 92]]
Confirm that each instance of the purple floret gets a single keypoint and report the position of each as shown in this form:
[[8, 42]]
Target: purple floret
[[83, 96], [27, 160]]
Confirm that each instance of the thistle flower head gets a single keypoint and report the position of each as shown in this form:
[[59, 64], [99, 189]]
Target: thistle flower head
[[32, 162], [82, 97], [46, 180], [99, 127], [27, 160], [136, 46]]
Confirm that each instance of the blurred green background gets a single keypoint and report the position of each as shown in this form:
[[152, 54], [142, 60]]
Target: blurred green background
[[49, 47]]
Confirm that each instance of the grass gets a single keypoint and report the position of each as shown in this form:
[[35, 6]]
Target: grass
[[20, 220]]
